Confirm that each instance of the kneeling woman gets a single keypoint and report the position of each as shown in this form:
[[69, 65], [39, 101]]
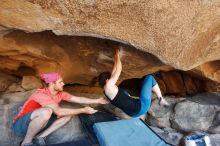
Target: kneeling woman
[[121, 99]]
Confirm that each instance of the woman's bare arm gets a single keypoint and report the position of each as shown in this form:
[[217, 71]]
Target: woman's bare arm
[[117, 68]]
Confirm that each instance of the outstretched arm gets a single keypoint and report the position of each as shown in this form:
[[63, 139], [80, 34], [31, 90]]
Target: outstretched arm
[[85, 100], [117, 68], [59, 111], [115, 62]]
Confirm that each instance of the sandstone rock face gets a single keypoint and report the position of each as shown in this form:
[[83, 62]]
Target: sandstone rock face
[[182, 35], [15, 87], [173, 82], [190, 86], [79, 60], [209, 69], [30, 82], [6, 81]]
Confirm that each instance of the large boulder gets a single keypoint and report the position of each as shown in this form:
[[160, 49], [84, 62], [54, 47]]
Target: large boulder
[[182, 35], [190, 116], [7, 113], [192, 113], [159, 116], [71, 131]]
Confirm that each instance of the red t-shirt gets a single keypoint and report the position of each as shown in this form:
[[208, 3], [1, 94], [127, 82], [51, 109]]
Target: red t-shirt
[[41, 98]]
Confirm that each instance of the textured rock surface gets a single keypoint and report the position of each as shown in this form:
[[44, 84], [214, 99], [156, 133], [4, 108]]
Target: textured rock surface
[[160, 116], [16, 97], [190, 116], [195, 113], [169, 135], [182, 34], [215, 128], [15, 87], [8, 138], [31, 82], [173, 82], [209, 69], [215, 139], [71, 131], [79, 60], [6, 81]]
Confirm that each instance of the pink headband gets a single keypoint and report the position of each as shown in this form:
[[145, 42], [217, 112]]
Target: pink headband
[[50, 77]]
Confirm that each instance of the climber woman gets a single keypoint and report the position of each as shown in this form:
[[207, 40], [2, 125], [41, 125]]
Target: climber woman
[[120, 97]]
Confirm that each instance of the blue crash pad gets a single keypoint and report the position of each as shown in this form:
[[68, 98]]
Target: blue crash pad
[[131, 132]]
